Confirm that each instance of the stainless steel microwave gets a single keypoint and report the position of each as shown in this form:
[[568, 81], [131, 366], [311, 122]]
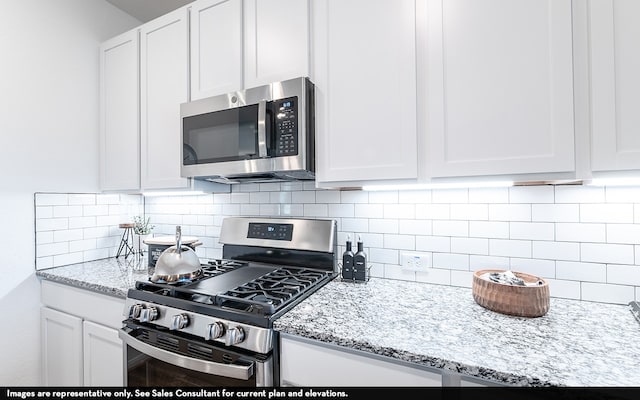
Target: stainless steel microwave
[[260, 134]]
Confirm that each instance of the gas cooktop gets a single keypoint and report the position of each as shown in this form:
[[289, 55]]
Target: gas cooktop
[[251, 291]]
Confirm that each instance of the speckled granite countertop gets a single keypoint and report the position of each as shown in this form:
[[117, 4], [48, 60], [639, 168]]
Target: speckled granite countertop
[[111, 276], [577, 343]]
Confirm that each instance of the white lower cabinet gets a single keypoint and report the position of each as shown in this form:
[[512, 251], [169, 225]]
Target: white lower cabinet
[[305, 363], [80, 343]]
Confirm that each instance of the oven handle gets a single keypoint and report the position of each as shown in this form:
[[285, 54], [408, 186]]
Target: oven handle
[[207, 367], [262, 129]]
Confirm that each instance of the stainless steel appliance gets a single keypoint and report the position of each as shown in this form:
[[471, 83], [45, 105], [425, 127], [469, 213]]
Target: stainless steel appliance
[[260, 134], [217, 329]]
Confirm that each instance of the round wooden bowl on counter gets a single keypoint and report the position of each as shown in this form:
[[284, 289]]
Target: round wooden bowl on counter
[[521, 301]]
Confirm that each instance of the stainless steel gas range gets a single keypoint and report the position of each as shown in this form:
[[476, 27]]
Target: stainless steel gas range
[[217, 330]]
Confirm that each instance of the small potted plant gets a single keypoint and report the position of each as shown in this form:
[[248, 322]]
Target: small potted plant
[[142, 228]]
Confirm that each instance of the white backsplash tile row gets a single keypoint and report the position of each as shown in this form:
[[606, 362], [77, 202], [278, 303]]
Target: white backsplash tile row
[[584, 240], [77, 227]]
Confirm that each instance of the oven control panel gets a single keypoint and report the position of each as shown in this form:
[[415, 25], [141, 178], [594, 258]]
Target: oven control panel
[[286, 127], [226, 332], [270, 231]]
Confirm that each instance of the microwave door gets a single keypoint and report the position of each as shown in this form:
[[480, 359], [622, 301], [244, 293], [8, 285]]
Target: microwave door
[[226, 135]]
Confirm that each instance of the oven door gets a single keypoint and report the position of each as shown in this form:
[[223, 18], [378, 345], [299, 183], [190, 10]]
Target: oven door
[[162, 358]]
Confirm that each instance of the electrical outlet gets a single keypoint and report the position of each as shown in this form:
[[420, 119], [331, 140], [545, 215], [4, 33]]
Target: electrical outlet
[[415, 261]]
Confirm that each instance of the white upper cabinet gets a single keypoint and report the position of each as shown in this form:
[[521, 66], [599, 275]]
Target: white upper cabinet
[[216, 47], [164, 84], [614, 35], [365, 75], [499, 84], [119, 113], [276, 41]]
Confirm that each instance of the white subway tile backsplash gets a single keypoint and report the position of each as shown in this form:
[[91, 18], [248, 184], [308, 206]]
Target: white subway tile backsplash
[[575, 232], [510, 212], [327, 196], [451, 261], [434, 275], [401, 242], [489, 195], [607, 253], [259, 197], [354, 196], [531, 194], [623, 233], [52, 199], [486, 229], [470, 245], [556, 250], [383, 225], [623, 194], [555, 212], [510, 248], [341, 210], [470, 212], [82, 199], [383, 256], [316, 210], [450, 228], [414, 196], [368, 210], [414, 227], [303, 197], [607, 213], [384, 197], [541, 268], [564, 289], [433, 211], [404, 211], [450, 196], [573, 236], [531, 230], [607, 293], [623, 274], [461, 278], [581, 271], [433, 243], [579, 194]]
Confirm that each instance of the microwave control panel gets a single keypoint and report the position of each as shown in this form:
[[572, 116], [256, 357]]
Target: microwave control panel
[[286, 127]]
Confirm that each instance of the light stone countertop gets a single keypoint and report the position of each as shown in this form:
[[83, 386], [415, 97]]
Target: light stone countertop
[[577, 343]]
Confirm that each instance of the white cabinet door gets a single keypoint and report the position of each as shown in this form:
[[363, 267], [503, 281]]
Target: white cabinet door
[[216, 47], [615, 84], [499, 87], [119, 113], [103, 356], [334, 368], [61, 348], [365, 75], [276, 40], [164, 75]]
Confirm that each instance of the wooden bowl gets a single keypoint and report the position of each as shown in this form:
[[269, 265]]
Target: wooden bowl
[[521, 301]]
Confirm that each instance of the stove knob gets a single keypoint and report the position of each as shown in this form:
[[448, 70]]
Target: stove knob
[[148, 314], [214, 331], [135, 310], [179, 321], [234, 336]]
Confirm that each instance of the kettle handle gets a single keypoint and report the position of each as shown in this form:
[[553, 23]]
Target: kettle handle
[[179, 238]]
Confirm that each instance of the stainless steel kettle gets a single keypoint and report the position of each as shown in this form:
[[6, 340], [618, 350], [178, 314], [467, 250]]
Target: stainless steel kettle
[[177, 263]]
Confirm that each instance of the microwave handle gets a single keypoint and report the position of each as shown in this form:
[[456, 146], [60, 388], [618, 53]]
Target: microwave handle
[[262, 129]]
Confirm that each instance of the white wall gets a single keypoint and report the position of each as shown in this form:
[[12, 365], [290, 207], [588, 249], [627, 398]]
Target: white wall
[[48, 142]]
